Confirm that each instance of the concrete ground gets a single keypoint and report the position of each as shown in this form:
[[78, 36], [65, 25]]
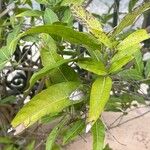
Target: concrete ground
[[133, 134]]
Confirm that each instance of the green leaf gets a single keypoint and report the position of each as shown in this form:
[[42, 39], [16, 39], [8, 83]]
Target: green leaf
[[49, 56], [67, 17], [147, 69], [132, 3], [91, 23], [129, 51], [14, 33], [130, 18], [85, 18], [130, 74], [98, 132], [30, 146], [117, 65], [68, 34], [107, 147], [43, 2], [52, 100], [73, 131], [8, 99], [5, 140], [133, 39], [102, 37], [69, 2], [54, 133], [139, 65], [99, 96], [46, 70], [114, 104], [91, 65], [4, 56], [50, 17], [30, 13]]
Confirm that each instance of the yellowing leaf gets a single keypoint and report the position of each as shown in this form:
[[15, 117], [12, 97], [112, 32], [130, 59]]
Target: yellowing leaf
[[102, 37], [129, 51], [91, 23], [133, 39], [118, 64], [52, 100], [99, 96], [85, 18], [96, 67], [69, 2]]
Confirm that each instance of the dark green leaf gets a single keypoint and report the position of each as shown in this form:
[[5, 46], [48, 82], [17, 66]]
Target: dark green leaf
[[132, 3], [147, 69], [130, 74], [73, 131], [54, 133]]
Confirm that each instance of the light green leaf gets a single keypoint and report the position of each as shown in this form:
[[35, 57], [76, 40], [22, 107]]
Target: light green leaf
[[69, 2], [68, 34], [91, 65], [85, 18], [30, 13], [5, 140], [4, 56], [52, 100], [139, 65], [130, 18], [54, 133], [147, 69], [102, 37], [14, 33], [43, 2], [67, 17], [30, 146], [130, 74], [46, 70], [117, 65], [98, 132], [99, 96], [133, 39], [129, 51], [50, 17], [73, 131]]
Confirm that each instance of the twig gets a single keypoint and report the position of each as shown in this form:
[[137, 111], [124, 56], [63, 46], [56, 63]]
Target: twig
[[129, 120], [8, 9]]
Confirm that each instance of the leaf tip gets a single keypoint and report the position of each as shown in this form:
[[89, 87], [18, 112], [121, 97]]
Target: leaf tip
[[88, 127], [19, 129]]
